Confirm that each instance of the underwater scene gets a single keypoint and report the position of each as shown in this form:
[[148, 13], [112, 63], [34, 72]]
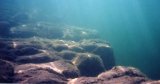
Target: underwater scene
[[80, 41]]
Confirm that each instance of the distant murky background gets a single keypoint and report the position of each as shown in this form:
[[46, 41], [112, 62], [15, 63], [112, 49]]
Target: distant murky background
[[131, 26]]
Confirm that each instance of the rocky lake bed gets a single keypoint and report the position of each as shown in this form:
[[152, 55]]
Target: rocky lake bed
[[52, 54]]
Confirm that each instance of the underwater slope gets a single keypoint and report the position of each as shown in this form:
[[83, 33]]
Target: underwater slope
[[40, 60], [60, 55]]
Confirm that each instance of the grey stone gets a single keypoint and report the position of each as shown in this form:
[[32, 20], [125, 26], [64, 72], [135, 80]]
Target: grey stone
[[89, 64], [6, 71]]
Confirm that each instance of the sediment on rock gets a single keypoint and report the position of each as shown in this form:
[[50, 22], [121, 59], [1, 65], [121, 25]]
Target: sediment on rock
[[59, 61]]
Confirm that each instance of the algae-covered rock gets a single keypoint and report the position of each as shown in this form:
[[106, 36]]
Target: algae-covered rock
[[106, 53], [119, 71], [117, 75], [67, 54], [84, 80], [57, 61], [89, 64], [100, 48], [60, 47], [122, 75], [66, 68], [37, 58], [152, 82], [6, 71], [39, 75], [40, 60], [27, 51]]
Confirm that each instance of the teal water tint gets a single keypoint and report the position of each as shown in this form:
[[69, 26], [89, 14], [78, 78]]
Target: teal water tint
[[131, 26]]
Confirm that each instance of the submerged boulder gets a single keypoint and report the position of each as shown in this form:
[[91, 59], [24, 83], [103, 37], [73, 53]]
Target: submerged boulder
[[125, 80], [117, 75], [60, 47], [6, 71], [122, 75], [27, 51], [55, 61], [100, 48], [106, 53], [67, 54], [39, 75], [88, 64], [152, 82], [119, 71], [84, 80], [66, 68]]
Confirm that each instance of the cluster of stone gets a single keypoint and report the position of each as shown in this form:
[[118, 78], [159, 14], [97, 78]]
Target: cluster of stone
[[60, 54], [54, 61], [64, 58]]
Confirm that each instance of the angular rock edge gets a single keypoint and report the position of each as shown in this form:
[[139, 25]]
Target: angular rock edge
[[38, 60]]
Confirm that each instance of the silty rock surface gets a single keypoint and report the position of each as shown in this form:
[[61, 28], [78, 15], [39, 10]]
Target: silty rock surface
[[53, 31], [55, 61], [63, 58], [117, 75]]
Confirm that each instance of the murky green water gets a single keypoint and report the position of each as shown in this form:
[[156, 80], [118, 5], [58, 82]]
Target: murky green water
[[131, 26]]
